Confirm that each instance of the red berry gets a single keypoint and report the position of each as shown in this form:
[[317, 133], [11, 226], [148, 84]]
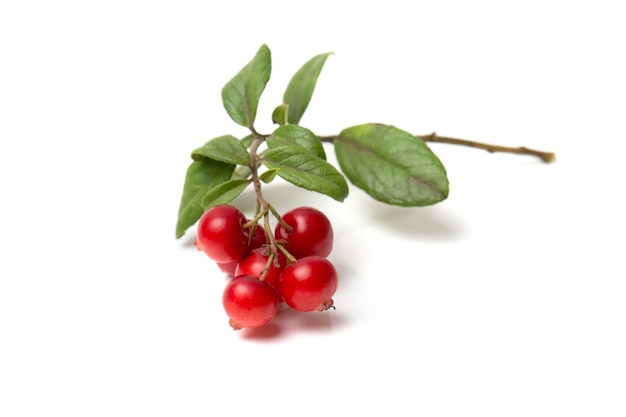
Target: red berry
[[249, 302], [311, 234], [228, 267], [257, 238], [221, 234], [255, 262], [309, 284]]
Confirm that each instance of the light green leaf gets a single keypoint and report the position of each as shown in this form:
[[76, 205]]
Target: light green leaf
[[201, 176], [297, 135], [242, 93], [279, 115], [224, 193], [307, 171], [391, 165], [226, 148], [269, 175], [300, 89]]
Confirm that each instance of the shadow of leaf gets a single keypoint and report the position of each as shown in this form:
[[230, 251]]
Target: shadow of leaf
[[433, 223]]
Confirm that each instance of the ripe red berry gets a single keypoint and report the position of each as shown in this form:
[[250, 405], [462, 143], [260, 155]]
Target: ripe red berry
[[228, 267], [221, 234], [249, 302], [255, 262], [309, 284], [257, 237], [311, 234]]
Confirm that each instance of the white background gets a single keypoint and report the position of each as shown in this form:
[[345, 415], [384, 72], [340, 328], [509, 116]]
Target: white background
[[507, 299]]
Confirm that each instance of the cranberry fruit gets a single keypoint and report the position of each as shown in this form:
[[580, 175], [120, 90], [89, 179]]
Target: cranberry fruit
[[228, 267], [311, 234], [305, 282], [309, 284], [221, 234], [255, 262], [257, 237], [249, 302]]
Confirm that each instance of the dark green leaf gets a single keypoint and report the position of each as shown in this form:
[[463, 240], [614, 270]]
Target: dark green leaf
[[269, 175], [226, 148], [224, 193], [279, 115], [201, 176], [242, 93], [307, 171], [391, 165], [297, 135], [300, 89]]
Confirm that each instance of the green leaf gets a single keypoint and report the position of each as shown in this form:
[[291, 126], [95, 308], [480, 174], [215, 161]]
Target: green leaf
[[300, 89], [247, 141], [391, 165], [226, 148], [279, 115], [307, 171], [224, 193], [242, 93], [297, 135], [269, 175], [201, 176]]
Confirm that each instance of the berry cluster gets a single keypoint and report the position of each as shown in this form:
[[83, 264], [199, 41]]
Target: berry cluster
[[287, 264]]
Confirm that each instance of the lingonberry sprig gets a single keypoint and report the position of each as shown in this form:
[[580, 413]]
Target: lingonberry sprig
[[274, 258]]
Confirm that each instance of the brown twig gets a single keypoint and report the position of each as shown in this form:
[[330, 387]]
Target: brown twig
[[546, 157]]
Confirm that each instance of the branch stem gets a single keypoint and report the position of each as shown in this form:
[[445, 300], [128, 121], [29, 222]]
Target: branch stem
[[263, 207], [546, 157]]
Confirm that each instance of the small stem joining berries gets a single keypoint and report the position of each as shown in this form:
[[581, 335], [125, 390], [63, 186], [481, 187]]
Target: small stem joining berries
[[290, 258], [280, 219], [257, 216], [268, 265]]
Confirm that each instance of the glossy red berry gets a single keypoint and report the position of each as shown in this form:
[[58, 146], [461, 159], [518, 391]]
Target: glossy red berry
[[221, 234], [249, 302], [228, 267], [257, 237], [309, 284], [311, 233], [255, 262]]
